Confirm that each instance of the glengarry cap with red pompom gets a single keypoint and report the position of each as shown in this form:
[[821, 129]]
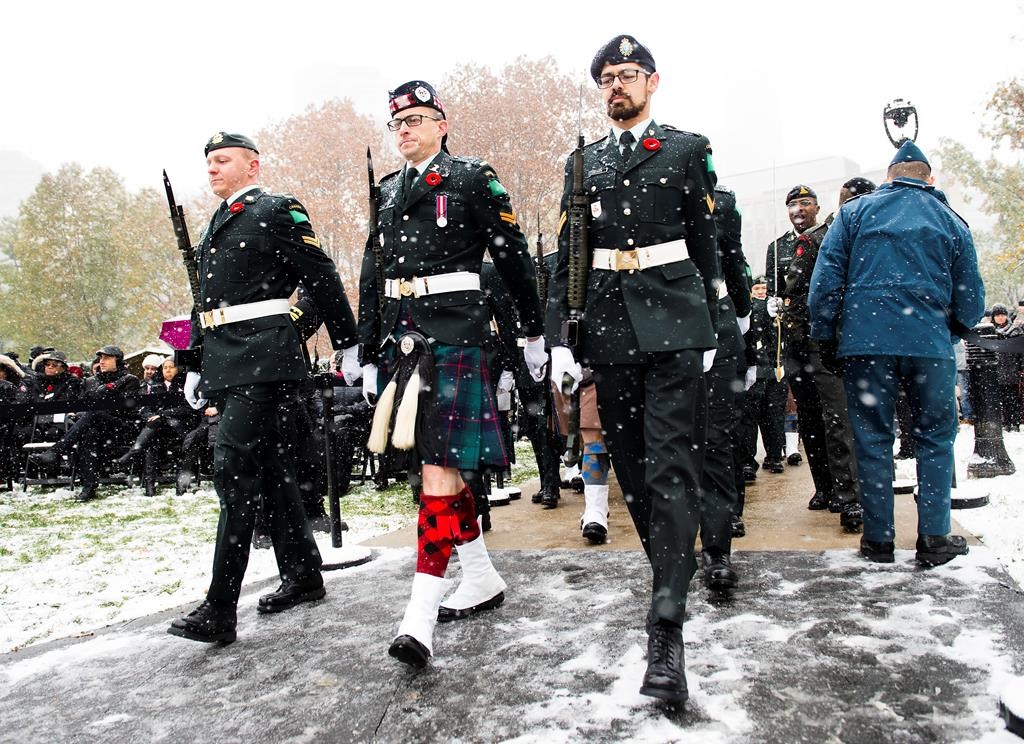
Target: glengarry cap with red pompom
[[412, 94]]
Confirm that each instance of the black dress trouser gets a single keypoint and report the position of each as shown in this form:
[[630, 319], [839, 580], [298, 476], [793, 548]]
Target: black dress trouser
[[824, 423], [719, 500], [249, 460], [653, 417]]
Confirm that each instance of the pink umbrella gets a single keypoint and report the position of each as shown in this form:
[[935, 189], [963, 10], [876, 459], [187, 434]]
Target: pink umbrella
[[176, 332]]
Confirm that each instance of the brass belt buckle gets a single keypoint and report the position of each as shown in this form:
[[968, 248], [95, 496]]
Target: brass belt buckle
[[626, 261], [207, 319], [405, 288]]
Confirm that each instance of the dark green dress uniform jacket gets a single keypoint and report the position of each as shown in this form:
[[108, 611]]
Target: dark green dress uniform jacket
[[784, 245], [736, 302], [457, 211], [663, 193], [262, 251]]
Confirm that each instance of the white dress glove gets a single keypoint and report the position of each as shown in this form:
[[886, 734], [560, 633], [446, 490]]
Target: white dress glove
[[350, 368], [749, 378], [370, 384], [709, 359], [744, 323], [506, 381], [536, 358], [562, 364], [774, 306], [191, 391]]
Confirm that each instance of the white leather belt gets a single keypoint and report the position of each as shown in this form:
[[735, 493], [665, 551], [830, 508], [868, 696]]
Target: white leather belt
[[641, 258], [456, 281], [249, 311]]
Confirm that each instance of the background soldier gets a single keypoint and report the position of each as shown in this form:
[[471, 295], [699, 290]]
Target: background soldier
[[435, 219], [256, 250], [650, 310]]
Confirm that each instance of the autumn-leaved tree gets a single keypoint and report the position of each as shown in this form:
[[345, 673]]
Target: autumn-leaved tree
[[1000, 182], [523, 120]]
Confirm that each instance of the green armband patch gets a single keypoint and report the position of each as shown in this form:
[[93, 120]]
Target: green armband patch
[[496, 188], [711, 163], [297, 216]]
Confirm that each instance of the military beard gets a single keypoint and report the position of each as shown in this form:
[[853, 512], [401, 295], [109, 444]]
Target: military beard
[[625, 110]]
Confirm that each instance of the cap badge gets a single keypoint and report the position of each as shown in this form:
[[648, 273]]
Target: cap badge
[[407, 345], [625, 47], [217, 138], [422, 93]]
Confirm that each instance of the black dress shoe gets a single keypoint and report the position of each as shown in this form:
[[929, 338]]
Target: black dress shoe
[[773, 466], [409, 651], [750, 473], [549, 499], [877, 552], [207, 623], [291, 593], [88, 493], [851, 518], [576, 484], [260, 539], [596, 533], [794, 459], [934, 550], [718, 571], [538, 497], [818, 502], [665, 677], [738, 528], [47, 458]]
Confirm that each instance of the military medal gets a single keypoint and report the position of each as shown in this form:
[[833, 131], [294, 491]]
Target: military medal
[[441, 203], [595, 209]]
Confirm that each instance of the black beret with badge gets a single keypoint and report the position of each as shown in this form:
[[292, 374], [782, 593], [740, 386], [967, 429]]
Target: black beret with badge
[[414, 93], [621, 49], [223, 139], [801, 191]]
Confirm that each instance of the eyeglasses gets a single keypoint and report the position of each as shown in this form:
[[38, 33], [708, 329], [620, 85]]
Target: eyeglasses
[[805, 203], [625, 77], [412, 120], [52, 363]]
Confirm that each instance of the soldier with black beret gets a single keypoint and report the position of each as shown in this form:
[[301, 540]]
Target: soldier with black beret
[[420, 292], [648, 328], [256, 250]]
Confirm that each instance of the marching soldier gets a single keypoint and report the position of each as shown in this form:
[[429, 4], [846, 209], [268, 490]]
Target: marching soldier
[[420, 297], [651, 307], [256, 250]]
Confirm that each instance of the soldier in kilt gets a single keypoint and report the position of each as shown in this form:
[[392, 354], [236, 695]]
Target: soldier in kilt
[[436, 217]]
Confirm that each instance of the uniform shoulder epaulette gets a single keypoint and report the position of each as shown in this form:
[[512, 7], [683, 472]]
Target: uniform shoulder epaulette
[[725, 190], [392, 174], [670, 128], [591, 144], [468, 160]]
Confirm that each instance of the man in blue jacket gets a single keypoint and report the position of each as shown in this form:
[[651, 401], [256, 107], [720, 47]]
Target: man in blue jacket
[[897, 275]]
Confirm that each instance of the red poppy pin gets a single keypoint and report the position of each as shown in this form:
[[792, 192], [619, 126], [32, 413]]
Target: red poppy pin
[[432, 178], [236, 208], [799, 250], [652, 144], [110, 386]]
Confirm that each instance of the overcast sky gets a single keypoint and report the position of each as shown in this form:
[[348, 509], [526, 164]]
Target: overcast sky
[[140, 86]]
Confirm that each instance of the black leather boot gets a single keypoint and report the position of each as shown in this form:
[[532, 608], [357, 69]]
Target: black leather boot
[[665, 678], [208, 623]]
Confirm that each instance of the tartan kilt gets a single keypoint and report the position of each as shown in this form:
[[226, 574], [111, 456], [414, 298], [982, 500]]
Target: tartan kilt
[[462, 430]]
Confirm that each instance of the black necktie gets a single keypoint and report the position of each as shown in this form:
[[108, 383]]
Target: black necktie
[[626, 140], [410, 177]]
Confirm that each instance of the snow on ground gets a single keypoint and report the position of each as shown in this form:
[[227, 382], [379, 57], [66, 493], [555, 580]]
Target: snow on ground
[[1000, 525], [68, 568]]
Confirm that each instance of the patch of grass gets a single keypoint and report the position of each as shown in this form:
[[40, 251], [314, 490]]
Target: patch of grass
[[4, 552], [170, 588]]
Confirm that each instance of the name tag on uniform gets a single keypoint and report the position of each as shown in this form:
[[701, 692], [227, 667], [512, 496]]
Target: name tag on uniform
[[595, 208]]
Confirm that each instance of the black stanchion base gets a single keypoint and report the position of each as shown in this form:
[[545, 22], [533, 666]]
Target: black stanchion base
[[1014, 721], [975, 503]]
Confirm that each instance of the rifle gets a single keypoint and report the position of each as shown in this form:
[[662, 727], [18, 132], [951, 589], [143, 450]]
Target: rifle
[[543, 275], [325, 381], [378, 255], [186, 357], [579, 259]]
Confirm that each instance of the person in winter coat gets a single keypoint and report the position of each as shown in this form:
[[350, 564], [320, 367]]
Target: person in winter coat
[[168, 418], [95, 431], [1008, 373], [896, 277]]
